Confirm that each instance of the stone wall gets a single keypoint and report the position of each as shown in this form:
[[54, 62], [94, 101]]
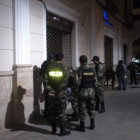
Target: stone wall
[[6, 35], [21, 96], [6, 89]]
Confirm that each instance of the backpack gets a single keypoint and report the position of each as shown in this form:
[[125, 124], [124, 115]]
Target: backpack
[[56, 75]]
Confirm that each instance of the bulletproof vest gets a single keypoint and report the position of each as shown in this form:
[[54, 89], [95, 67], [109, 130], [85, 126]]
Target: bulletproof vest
[[87, 78], [56, 75]]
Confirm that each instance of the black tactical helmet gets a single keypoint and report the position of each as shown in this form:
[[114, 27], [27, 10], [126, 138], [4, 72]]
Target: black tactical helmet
[[59, 56], [120, 62], [95, 58], [83, 59]]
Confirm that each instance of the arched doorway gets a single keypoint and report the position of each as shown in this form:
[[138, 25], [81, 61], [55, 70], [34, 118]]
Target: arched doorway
[[136, 55], [136, 50]]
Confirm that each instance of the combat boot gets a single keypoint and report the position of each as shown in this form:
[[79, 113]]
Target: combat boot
[[81, 127], [63, 131], [75, 117], [71, 115], [92, 124], [54, 128], [102, 107]]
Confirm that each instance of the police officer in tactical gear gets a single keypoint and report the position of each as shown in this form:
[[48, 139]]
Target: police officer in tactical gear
[[50, 59], [74, 100], [133, 70], [86, 81], [99, 96], [56, 76]]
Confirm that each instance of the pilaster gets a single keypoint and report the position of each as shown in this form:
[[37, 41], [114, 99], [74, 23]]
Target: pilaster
[[22, 50]]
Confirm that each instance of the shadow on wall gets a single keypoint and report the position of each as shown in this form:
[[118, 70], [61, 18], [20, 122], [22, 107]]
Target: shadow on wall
[[15, 117], [38, 95], [15, 109]]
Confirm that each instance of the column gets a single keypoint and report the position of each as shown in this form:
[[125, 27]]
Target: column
[[22, 50], [92, 30], [23, 73], [120, 43]]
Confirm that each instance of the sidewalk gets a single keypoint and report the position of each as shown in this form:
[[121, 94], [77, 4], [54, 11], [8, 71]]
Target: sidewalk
[[121, 121]]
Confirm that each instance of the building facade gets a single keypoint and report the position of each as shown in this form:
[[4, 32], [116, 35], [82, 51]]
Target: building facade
[[31, 29]]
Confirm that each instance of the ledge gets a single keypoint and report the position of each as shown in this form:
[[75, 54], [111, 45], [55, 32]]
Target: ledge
[[22, 66], [6, 73], [62, 6]]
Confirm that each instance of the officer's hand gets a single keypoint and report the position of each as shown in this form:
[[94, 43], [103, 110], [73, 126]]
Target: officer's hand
[[51, 93]]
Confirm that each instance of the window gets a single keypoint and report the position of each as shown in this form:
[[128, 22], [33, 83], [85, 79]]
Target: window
[[136, 3]]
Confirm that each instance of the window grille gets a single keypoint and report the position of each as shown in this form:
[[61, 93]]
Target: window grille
[[59, 37]]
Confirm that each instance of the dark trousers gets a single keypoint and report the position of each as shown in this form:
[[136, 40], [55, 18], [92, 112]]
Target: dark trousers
[[133, 78], [121, 82], [46, 101]]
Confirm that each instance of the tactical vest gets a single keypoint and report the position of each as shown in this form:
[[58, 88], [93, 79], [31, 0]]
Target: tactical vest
[[56, 75], [87, 78]]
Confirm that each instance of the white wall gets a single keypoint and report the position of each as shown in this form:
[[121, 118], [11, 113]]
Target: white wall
[[84, 36], [36, 32], [6, 35]]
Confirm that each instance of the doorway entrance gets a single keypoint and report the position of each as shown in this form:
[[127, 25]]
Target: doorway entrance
[[59, 32], [108, 52], [125, 53]]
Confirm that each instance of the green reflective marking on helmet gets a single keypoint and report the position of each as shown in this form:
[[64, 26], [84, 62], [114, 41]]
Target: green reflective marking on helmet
[[56, 73]]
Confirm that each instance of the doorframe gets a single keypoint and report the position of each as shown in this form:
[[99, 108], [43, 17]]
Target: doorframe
[[110, 33], [111, 50], [125, 57], [70, 14]]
